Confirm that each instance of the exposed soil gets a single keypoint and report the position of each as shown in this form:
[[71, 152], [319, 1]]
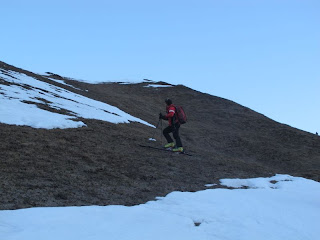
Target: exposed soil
[[102, 164]]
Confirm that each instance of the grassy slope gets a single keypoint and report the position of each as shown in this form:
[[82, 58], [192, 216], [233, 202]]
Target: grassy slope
[[103, 164]]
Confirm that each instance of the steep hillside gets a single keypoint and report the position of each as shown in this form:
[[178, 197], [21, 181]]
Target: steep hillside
[[102, 163]]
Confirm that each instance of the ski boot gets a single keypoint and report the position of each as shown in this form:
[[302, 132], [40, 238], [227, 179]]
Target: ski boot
[[169, 145], [178, 150]]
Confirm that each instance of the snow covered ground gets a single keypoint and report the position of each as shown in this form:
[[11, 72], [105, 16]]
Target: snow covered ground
[[62, 82], [280, 207], [158, 85], [22, 92]]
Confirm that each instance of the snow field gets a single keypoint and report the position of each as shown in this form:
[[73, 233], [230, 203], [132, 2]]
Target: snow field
[[16, 109], [287, 208]]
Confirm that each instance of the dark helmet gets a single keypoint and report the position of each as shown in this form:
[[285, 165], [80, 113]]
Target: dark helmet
[[168, 101]]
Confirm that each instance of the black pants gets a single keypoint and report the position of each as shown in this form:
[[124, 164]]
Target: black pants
[[175, 130]]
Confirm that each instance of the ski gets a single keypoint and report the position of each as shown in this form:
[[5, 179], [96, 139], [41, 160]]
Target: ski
[[164, 149]]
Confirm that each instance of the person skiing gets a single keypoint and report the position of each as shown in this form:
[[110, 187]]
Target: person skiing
[[173, 127]]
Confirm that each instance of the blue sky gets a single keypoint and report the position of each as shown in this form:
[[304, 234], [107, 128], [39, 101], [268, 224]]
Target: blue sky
[[263, 54]]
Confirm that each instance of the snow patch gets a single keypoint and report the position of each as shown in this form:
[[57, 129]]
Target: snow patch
[[210, 185], [62, 82], [273, 182], [20, 97], [158, 85], [289, 212]]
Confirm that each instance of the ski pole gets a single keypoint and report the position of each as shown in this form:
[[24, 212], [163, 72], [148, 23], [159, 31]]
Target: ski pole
[[161, 132], [156, 129]]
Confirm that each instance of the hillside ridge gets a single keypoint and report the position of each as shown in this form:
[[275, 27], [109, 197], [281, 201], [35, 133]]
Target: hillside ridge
[[102, 163]]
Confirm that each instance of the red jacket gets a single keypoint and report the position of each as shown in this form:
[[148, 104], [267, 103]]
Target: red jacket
[[171, 114]]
